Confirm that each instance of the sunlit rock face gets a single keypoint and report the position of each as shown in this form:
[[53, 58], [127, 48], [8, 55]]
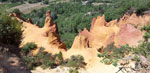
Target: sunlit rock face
[[124, 31], [100, 31], [128, 34], [80, 42], [46, 37]]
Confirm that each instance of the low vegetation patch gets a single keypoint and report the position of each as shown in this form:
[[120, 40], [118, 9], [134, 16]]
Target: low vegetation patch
[[47, 60], [75, 61], [73, 71], [112, 54], [42, 59], [28, 47]]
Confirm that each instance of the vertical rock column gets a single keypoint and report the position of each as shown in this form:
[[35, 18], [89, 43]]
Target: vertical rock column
[[52, 33]]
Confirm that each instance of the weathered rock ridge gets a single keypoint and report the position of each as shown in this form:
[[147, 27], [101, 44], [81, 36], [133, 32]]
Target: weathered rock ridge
[[121, 32], [46, 37]]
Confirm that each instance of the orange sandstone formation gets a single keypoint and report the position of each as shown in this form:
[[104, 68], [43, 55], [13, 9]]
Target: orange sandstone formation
[[121, 32], [80, 42], [99, 32], [46, 37]]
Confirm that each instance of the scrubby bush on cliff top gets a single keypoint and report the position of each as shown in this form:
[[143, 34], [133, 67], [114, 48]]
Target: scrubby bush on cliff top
[[28, 47], [140, 54], [47, 60], [112, 54], [73, 71], [41, 59], [75, 61], [10, 30]]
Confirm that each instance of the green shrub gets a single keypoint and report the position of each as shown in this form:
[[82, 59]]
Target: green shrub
[[73, 71], [75, 61], [60, 57], [10, 30], [43, 59], [28, 47], [47, 60], [31, 62], [34, 1], [112, 54], [17, 11], [45, 1], [70, 70]]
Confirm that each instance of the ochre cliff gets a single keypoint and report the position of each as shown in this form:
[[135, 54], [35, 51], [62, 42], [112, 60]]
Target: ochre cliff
[[46, 37], [86, 43], [124, 31]]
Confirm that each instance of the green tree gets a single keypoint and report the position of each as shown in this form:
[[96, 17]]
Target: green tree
[[17, 11], [45, 1], [10, 30]]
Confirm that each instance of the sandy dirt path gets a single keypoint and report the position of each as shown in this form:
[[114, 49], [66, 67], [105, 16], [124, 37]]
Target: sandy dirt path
[[27, 8]]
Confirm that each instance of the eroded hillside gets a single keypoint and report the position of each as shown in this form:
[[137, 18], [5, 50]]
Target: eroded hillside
[[87, 43]]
